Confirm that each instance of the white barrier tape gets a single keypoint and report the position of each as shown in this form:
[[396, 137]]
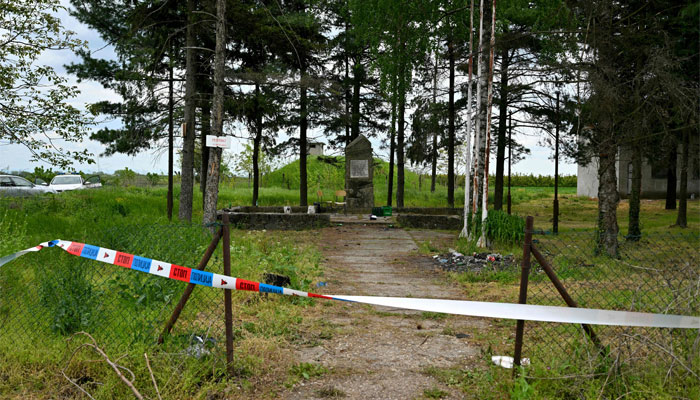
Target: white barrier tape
[[532, 312], [457, 307]]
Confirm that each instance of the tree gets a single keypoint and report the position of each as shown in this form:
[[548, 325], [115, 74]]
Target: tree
[[34, 100], [638, 90], [243, 161], [145, 37], [398, 37], [211, 194]]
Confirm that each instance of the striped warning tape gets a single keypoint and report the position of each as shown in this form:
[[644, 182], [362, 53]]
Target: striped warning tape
[[459, 307]]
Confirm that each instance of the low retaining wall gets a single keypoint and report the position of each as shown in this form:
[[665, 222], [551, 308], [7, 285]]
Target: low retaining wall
[[429, 210], [423, 221], [277, 221]]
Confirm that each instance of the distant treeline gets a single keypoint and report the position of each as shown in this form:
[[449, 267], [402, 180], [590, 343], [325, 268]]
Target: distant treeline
[[529, 180]]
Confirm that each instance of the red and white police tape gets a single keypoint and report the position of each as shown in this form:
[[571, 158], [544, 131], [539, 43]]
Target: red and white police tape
[[458, 307]]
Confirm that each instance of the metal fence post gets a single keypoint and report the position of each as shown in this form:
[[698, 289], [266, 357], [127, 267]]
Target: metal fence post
[[524, 276], [228, 312]]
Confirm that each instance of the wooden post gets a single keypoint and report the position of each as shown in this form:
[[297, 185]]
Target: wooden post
[[524, 276], [190, 286], [228, 312]]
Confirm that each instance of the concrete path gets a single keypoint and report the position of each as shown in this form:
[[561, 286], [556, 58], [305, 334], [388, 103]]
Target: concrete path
[[378, 352]]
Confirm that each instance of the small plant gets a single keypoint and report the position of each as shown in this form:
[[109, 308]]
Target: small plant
[[522, 390], [434, 393], [330, 393], [307, 370]]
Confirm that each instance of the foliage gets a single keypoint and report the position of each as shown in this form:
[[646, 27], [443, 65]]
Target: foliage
[[34, 99], [307, 370], [243, 161], [125, 176], [152, 178], [505, 228], [69, 297]]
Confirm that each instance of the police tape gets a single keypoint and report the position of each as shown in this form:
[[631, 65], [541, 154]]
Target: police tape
[[458, 307]]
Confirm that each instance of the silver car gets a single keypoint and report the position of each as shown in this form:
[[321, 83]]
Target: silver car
[[16, 186]]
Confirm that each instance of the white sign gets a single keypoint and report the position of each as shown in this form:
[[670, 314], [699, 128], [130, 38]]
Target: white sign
[[219, 141]]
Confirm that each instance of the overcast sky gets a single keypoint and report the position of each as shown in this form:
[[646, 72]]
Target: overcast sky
[[16, 158]]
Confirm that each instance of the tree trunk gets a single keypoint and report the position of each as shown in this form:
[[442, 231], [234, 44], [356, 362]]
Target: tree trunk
[[608, 199], [483, 240], [480, 114], [206, 130], [211, 195], [346, 84], [682, 219], [392, 150], [671, 177], [171, 128], [357, 77], [433, 172], [501, 141], [187, 173], [451, 129], [435, 132], [303, 125], [634, 230], [256, 145], [399, 146]]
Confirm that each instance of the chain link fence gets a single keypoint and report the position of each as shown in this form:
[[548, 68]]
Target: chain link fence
[[47, 296], [655, 273]]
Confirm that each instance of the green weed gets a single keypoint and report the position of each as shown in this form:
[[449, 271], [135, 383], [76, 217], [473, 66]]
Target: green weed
[[434, 393]]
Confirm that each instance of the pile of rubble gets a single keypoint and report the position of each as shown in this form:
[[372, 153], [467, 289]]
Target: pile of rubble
[[455, 261]]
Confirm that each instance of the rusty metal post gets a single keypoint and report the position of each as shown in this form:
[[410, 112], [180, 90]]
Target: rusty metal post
[[524, 276], [228, 311], [190, 286], [562, 291]]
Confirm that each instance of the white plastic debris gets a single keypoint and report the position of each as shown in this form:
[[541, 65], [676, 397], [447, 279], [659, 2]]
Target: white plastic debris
[[287, 209], [311, 210], [507, 361]]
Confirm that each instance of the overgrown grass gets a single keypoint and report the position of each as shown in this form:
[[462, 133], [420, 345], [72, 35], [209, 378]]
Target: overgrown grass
[[45, 297]]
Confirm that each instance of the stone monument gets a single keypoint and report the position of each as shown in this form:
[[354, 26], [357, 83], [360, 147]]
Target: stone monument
[[358, 174]]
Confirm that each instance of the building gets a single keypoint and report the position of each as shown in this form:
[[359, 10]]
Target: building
[[314, 148], [653, 176]]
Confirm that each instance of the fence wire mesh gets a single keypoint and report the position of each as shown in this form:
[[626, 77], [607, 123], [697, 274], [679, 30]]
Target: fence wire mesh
[[52, 294], [655, 273]]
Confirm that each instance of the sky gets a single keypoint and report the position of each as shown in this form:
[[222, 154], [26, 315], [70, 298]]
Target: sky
[[17, 158]]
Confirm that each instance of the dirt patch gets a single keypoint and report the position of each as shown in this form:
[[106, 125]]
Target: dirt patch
[[379, 352]]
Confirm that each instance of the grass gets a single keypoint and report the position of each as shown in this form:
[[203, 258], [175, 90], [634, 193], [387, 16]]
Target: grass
[[265, 327], [125, 310]]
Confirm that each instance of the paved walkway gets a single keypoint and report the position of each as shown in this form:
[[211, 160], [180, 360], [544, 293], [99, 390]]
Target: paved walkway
[[378, 352]]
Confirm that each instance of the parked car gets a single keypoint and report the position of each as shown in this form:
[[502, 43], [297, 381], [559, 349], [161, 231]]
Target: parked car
[[63, 183], [16, 186]]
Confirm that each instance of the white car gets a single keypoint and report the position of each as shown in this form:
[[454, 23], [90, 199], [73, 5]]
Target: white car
[[63, 183], [16, 186]]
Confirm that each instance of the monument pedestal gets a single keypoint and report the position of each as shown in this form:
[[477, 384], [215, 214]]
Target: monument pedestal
[[359, 171]]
